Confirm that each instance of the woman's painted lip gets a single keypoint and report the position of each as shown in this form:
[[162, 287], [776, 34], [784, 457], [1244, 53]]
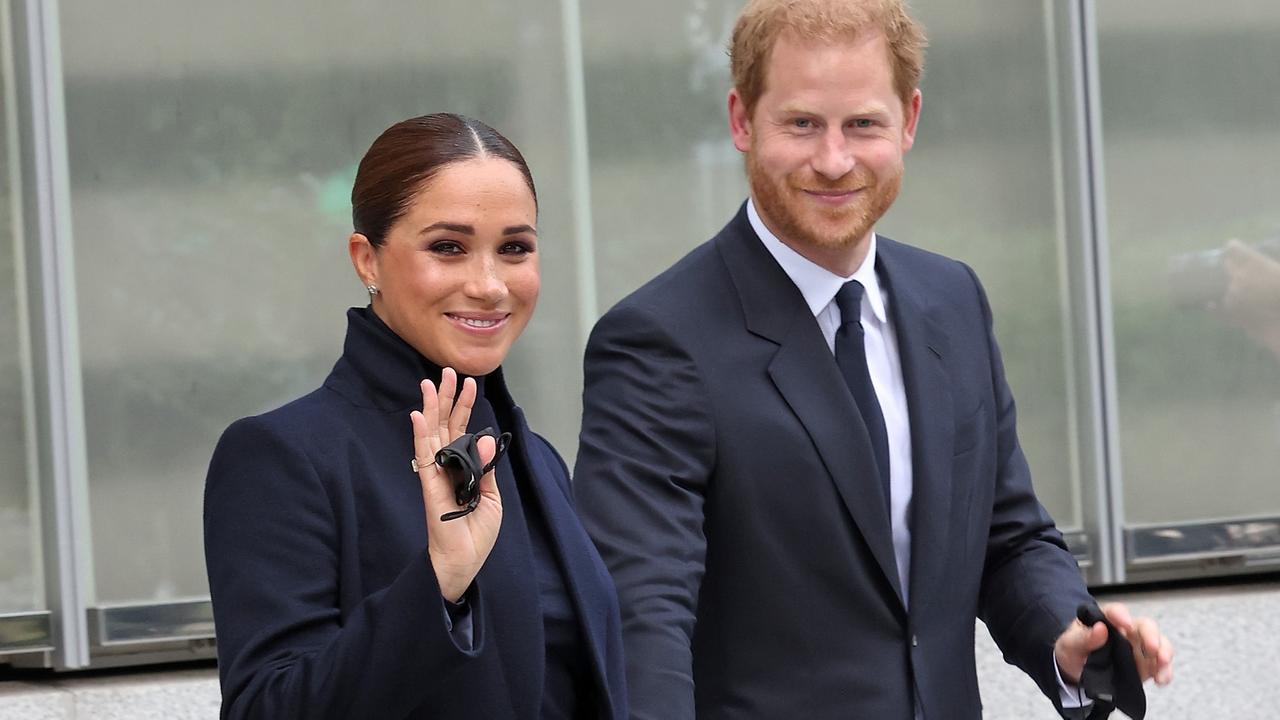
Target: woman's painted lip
[[479, 323]]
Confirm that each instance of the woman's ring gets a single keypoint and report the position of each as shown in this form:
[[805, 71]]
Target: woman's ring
[[420, 466]]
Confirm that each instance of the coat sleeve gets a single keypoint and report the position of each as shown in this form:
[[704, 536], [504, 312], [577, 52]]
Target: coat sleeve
[[645, 456], [1031, 584], [285, 649], [562, 476]]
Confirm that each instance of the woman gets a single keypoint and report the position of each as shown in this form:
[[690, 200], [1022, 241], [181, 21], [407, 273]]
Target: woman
[[338, 589]]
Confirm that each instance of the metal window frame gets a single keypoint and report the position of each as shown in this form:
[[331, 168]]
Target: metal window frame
[[71, 634], [1076, 163], [1111, 496], [132, 624], [26, 632], [60, 446]]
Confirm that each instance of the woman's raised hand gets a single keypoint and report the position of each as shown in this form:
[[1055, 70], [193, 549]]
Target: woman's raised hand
[[459, 547]]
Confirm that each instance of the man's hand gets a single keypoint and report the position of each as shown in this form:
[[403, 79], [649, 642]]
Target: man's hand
[[1152, 651]]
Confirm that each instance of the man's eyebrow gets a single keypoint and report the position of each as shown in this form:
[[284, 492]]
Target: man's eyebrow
[[874, 108]]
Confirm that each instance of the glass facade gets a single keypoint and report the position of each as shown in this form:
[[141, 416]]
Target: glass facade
[[1188, 123], [210, 150], [1192, 145], [21, 584], [982, 185]]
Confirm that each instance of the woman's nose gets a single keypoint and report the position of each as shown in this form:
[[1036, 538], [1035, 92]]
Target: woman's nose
[[486, 283]]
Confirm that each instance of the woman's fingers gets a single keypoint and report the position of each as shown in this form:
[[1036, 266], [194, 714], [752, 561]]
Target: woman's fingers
[[448, 390], [462, 406], [489, 483], [435, 491], [430, 411]]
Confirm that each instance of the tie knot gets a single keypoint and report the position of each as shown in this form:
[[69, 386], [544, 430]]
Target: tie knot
[[849, 300]]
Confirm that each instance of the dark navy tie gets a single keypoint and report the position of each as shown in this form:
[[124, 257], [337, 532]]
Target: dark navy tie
[[851, 356]]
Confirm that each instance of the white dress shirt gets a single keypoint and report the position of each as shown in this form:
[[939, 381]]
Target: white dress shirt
[[819, 287]]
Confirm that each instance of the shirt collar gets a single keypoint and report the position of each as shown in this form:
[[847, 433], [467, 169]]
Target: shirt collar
[[817, 284]]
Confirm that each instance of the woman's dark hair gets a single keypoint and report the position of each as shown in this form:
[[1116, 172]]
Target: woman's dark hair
[[407, 155]]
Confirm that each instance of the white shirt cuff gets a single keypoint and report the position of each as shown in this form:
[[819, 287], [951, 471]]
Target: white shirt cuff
[[1069, 694]]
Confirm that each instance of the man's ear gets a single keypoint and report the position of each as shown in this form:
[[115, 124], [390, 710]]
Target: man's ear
[[739, 121], [364, 258], [911, 120]]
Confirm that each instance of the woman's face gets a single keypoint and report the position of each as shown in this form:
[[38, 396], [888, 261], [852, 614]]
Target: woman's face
[[458, 275]]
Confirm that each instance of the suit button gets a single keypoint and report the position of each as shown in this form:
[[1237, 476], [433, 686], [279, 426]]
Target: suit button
[[915, 642]]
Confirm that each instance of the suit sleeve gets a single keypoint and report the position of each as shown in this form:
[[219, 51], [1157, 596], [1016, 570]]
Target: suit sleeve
[[272, 546], [1031, 584], [646, 453]]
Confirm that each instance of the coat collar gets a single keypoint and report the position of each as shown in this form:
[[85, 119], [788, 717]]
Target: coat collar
[[379, 369]]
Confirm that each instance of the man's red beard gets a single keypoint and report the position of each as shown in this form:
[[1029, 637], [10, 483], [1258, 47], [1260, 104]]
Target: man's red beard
[[792, 214]]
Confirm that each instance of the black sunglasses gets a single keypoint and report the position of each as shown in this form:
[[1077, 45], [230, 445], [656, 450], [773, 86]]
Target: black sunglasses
[[460, 460]]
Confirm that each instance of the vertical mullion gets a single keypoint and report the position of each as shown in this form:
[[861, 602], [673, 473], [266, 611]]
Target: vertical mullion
[[579, 168], [1069, 277], [1111, 497], [1078, 162], [65, 526]]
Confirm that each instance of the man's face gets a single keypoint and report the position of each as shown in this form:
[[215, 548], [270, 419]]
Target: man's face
[[825, 144]]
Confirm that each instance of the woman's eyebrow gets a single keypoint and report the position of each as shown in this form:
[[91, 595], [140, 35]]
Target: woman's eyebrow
[[455, 227]]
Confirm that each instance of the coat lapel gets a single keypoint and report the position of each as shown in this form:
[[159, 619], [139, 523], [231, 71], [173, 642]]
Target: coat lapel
[[505, 574], [573, 549], [805, 373], [922, 349]]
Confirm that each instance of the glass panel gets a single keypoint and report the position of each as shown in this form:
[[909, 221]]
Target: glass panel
[[212, 148], [983, 184], [664, 174], [21, 586], [1190, 146]]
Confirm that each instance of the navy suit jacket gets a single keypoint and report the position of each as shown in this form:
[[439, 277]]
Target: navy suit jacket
[[324, 598], [727, 478]]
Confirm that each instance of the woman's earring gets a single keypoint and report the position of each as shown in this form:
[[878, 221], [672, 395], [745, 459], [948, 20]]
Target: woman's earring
[[373, 290]]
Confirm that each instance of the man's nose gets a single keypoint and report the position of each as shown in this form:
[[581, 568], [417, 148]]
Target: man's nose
[[833, 158]]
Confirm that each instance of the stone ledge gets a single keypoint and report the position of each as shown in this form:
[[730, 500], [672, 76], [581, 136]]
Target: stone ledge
[[1225, 664], [187, 694], [1224, 635]]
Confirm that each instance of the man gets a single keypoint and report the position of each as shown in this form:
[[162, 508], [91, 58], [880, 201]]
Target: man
[[805, 514]]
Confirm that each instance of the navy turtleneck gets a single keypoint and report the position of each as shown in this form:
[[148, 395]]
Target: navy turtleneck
[[568, 686]]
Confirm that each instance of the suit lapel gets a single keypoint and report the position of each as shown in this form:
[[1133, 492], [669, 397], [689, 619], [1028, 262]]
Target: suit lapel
[[922, 348], [804, 372]]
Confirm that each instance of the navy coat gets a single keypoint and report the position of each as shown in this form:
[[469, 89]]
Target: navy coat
[[325, 602], [728, 480]]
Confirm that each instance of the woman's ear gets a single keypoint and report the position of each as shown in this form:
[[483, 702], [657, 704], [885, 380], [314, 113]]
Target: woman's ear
[[364, 258]]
